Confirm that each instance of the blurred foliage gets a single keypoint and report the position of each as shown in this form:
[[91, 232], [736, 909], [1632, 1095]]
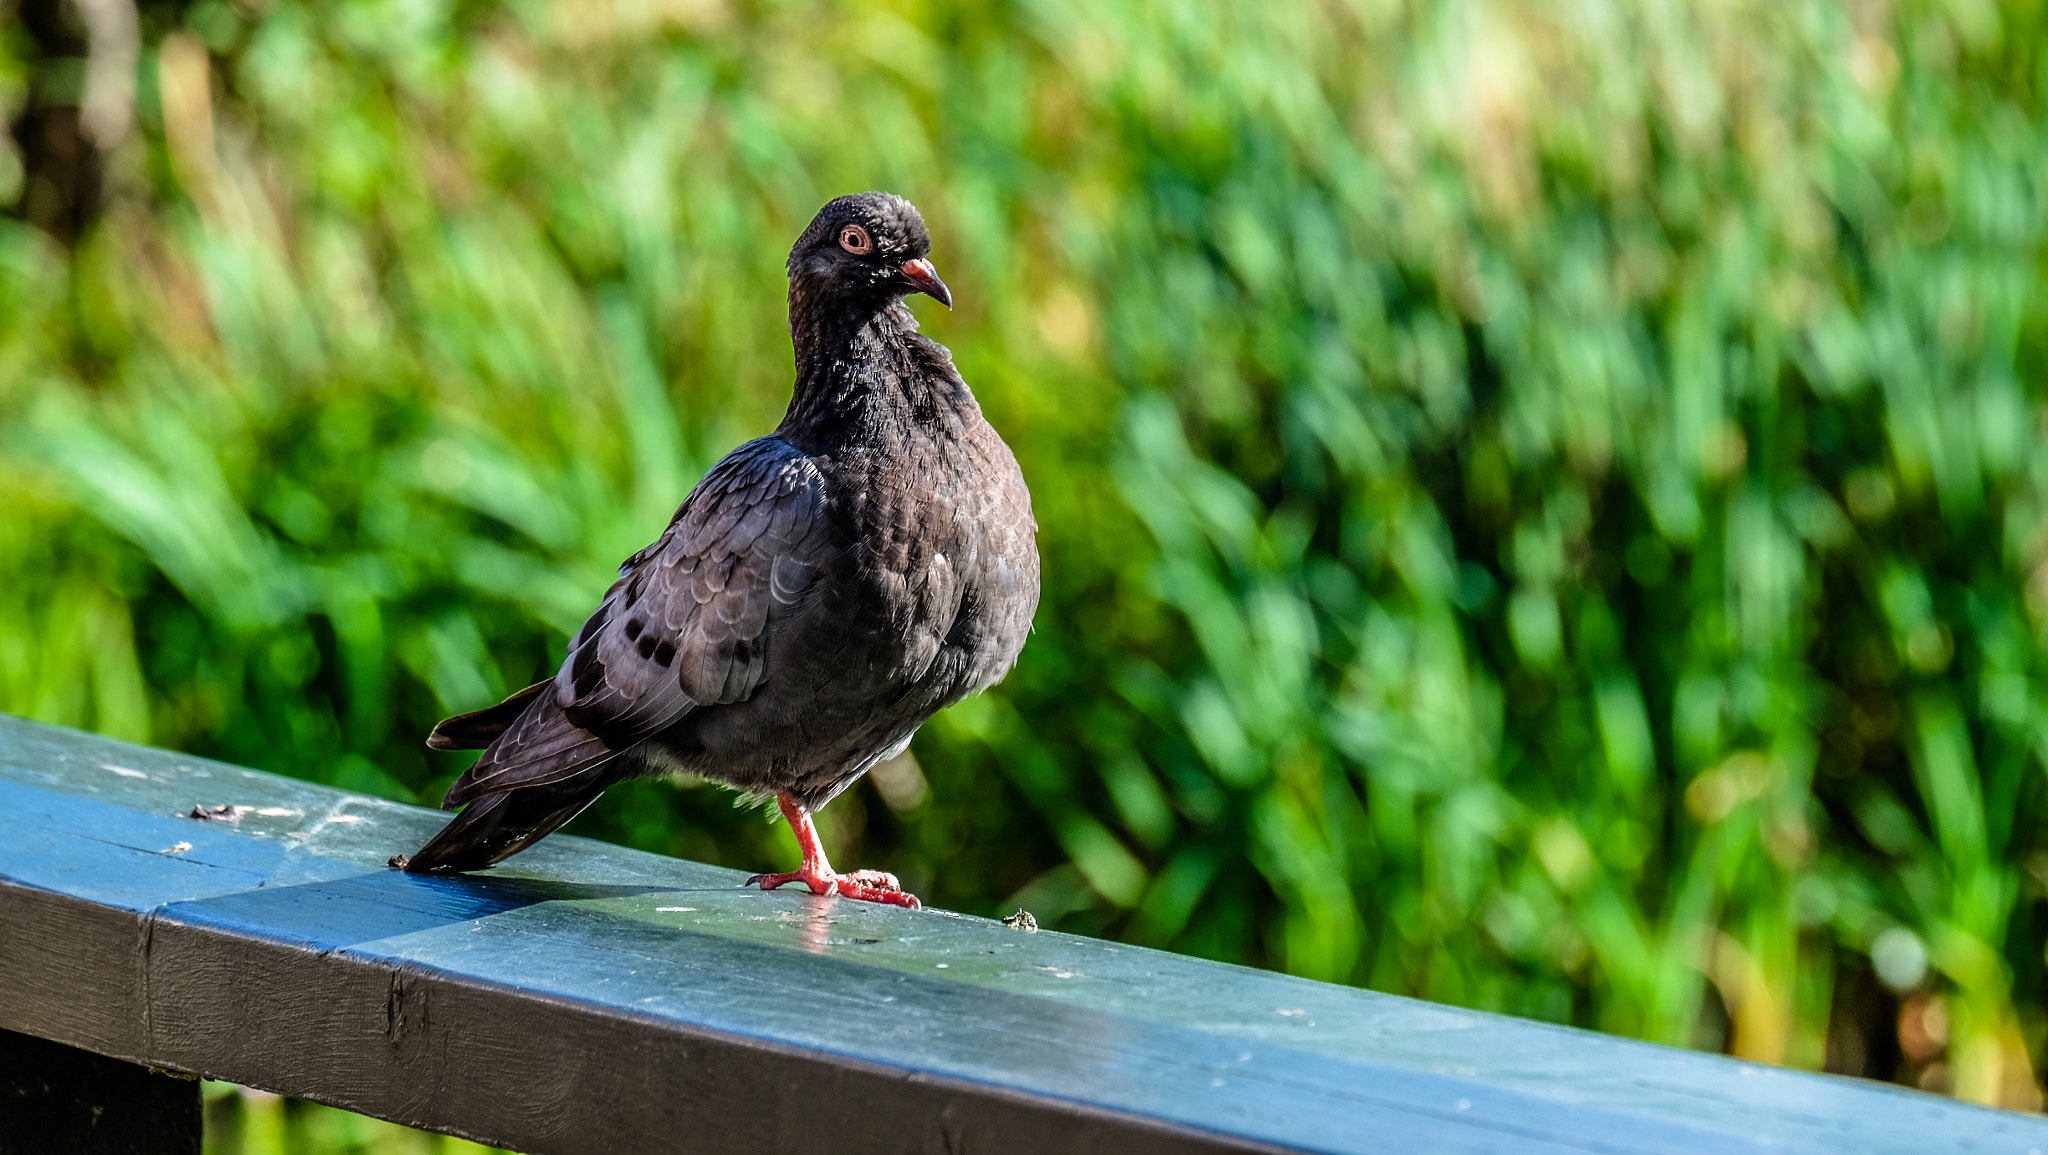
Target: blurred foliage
[[1542, 505], [240, 1121]]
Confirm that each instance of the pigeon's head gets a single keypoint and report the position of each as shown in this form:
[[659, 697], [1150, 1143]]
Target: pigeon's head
[[865, 247]]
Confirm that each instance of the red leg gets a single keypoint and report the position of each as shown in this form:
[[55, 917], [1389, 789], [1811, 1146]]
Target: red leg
[[817, 873]]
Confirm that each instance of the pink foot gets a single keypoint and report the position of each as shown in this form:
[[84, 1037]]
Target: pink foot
[[865, 885], [816, 873]]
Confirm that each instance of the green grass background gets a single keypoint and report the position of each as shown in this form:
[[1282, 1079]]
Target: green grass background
[[1543, 505]]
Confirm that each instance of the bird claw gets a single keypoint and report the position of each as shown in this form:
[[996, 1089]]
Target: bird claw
[[771, 881], [864, 885]]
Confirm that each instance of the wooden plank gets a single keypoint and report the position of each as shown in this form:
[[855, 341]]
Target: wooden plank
[[586, 998], [58, 1100]]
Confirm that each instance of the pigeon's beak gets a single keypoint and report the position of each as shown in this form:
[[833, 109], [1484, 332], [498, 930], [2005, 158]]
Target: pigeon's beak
[[925, 279]]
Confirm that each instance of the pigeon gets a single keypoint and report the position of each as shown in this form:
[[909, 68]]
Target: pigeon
[[821, 592]]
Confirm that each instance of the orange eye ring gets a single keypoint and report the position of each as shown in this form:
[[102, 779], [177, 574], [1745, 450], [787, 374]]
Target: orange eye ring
[[855, 240]]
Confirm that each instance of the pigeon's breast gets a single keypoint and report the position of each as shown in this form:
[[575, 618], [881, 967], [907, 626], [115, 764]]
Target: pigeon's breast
[[942, 559]]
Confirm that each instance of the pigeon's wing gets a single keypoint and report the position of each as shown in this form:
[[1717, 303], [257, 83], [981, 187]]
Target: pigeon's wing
[[687, 622], [686, 625]]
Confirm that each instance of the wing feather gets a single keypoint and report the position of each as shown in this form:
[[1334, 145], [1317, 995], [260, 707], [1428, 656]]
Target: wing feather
[[686, 624], [698, 594]]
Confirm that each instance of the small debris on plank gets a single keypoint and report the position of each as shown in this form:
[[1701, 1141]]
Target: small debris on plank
[[180, 848], [232, 815], [1022, 920]]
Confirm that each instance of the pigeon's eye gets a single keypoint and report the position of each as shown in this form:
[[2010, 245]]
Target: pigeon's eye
[[855, 240]]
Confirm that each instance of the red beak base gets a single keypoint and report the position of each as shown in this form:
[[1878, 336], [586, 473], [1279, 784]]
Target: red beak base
[[925, 279]]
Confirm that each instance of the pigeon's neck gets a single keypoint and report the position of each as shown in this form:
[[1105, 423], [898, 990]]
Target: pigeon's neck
[[857, 368]]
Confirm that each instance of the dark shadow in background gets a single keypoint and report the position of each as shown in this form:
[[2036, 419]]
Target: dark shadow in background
[[59, 1099], [61, 188]]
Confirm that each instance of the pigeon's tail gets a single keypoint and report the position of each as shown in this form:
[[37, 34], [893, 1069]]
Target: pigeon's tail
[[538, 771], [497, 826], [479, 728]]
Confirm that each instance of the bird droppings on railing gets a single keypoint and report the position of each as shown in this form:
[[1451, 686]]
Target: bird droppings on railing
[[233, 815]]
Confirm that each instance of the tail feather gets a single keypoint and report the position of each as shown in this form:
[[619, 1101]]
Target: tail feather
[[497, 826], [539, 748], [479, 728], [538, 771]]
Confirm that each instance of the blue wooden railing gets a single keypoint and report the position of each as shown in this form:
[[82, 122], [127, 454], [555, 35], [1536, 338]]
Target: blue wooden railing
[[588, 998]]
